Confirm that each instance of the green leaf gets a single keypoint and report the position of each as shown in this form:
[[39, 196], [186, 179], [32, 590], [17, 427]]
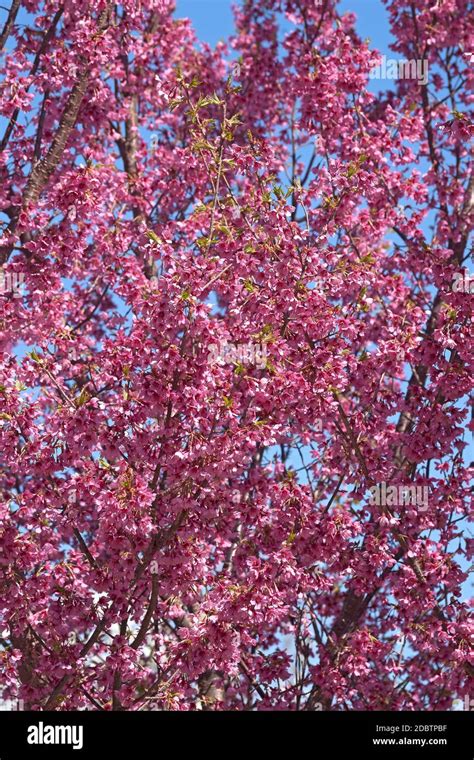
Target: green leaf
[[153, 236], [83, 397]]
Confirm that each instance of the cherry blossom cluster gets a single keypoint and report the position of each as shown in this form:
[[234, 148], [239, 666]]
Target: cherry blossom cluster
[[182, 534]]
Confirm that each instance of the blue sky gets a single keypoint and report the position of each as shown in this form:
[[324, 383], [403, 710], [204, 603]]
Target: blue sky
[[213, 19]]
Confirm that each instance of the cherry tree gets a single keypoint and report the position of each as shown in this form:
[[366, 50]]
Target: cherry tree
[[235, 360]]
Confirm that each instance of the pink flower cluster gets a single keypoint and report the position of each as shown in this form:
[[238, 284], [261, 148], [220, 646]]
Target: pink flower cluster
[[179, 533]]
